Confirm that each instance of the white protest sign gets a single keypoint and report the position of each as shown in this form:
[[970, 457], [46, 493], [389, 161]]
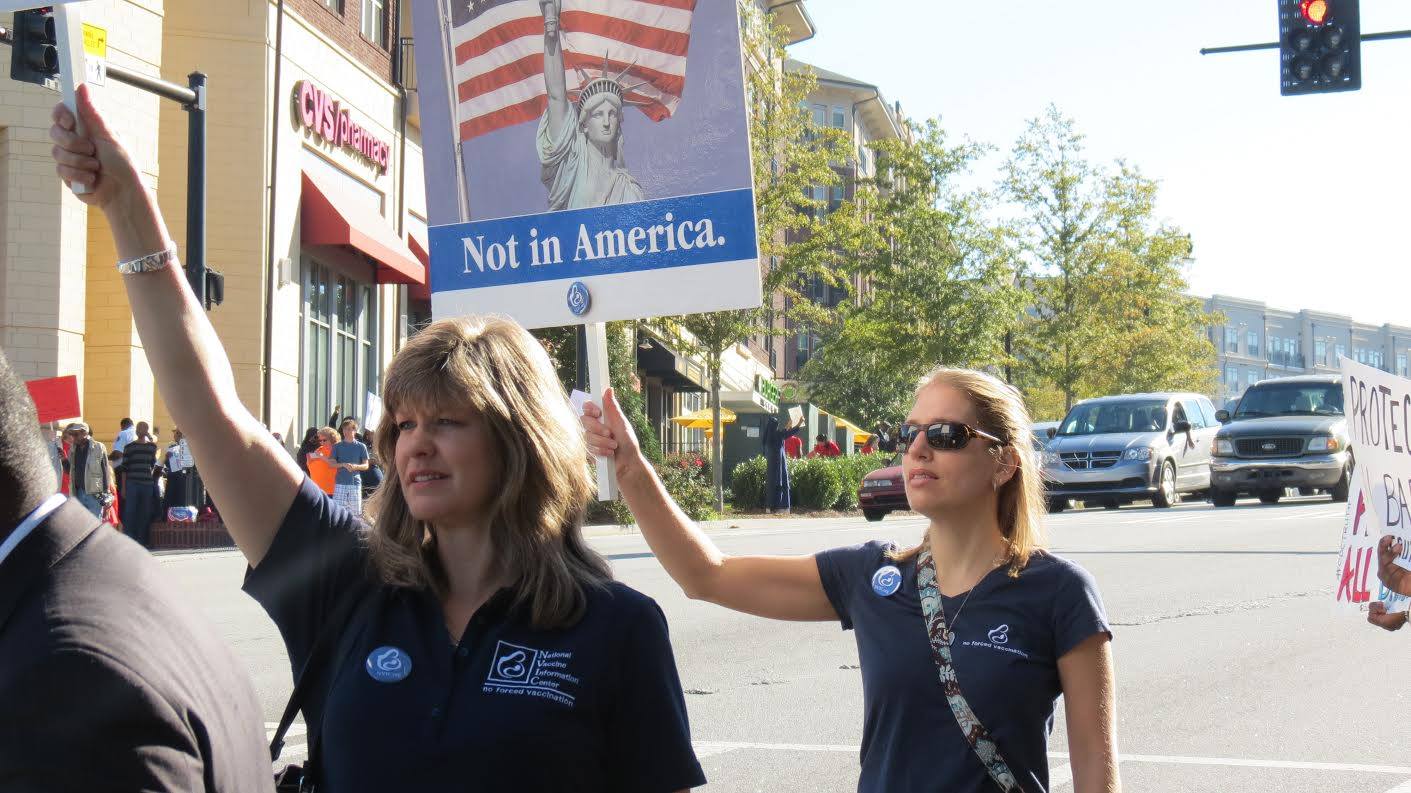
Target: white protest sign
[[1378, 408], [373, 415], [587, 160]]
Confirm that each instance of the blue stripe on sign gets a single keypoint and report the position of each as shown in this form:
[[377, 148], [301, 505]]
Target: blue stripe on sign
[[623, 238]]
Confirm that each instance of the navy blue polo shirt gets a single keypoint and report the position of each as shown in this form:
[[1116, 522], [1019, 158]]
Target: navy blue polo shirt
[[1008, 640], [593, 707]]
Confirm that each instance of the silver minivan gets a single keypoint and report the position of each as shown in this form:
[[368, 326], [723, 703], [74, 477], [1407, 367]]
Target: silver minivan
[[1118, 449]]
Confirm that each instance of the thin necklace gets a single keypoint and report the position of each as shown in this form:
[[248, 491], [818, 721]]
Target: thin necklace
[[950, 623]]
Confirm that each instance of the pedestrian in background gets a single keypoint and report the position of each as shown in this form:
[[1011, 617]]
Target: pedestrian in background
[[886, 439], [90, 474], [140, 503], [870, 445], [372, 477], [968, 703], [350, 460], [777, 493], [322, 469], [823, 447], [178, 465], [126, 433], [307, 446]]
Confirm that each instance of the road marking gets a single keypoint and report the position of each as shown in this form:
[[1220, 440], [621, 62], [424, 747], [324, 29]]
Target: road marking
[[720, 747], [1404, 787], [1059, 776], [294, 730]]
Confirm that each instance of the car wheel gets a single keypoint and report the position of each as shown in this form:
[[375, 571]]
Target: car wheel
[[1271, 496], [1166, 492], [1222, 498], [874, 515], [1308, 491], [1056, 505], [1110, 505], [1339, 490]]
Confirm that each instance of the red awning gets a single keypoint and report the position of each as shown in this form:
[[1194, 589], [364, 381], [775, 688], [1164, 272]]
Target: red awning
[[419, 248], [328, 219]]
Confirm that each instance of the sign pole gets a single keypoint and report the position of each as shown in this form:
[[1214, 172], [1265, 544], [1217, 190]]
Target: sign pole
[[597, 354]]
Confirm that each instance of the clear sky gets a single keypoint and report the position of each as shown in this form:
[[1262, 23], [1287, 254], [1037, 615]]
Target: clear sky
[[1304, 202]]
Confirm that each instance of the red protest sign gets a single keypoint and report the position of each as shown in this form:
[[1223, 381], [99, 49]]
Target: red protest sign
[[56, 398]]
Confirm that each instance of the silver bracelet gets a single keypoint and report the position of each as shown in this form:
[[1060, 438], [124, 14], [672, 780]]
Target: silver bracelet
[[149, 263]]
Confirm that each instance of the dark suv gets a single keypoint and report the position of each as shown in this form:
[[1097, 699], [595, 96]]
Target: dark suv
[[1288, 432]]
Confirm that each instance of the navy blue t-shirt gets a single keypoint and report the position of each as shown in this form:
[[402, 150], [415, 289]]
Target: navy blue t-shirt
[[1008, 640], [596, 706]]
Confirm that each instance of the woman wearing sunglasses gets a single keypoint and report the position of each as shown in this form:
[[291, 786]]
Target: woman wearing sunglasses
[[966, 638]]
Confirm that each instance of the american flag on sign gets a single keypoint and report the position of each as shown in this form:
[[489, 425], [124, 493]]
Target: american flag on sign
[[498, 56]]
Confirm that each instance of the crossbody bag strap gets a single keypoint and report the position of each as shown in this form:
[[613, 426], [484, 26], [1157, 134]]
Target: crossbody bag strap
[[975, 733], [323, 646]]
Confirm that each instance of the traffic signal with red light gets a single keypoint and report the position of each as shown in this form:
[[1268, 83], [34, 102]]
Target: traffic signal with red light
[[34, 50], [1320, 46]]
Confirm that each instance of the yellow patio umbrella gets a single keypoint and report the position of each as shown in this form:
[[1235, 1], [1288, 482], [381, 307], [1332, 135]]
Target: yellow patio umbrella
[[859, 435], [701, 419]]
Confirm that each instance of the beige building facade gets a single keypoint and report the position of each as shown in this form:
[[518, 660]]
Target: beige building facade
[[315, 200]]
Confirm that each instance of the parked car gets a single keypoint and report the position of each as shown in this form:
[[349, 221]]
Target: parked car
[[883, 491], [1118, 449], [1286, 432]]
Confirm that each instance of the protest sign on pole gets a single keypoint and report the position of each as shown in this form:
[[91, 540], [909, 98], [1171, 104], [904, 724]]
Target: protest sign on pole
[[586, 161], [1378, 408], [55, 398]]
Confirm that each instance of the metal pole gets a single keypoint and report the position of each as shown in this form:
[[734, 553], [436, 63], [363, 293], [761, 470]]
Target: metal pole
[[196, 188], [1273, 45]]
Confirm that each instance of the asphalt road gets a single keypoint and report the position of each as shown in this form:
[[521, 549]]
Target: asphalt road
[[1235, 672]]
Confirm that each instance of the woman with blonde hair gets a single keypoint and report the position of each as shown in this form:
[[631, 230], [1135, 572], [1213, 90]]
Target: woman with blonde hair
[[489, 648], [967, 638]]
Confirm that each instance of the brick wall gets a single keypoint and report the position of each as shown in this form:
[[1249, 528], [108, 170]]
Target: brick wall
[[345, 30]]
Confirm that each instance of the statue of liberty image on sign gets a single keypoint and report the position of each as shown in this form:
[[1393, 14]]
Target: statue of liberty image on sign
[[580, 137]]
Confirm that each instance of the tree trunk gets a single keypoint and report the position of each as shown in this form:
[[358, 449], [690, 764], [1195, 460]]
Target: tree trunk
[[716, 441]]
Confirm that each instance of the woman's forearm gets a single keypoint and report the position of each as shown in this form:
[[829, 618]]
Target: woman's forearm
[[187, 359], [688, 555]]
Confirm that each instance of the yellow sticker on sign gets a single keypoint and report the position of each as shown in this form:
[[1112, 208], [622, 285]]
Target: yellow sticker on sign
[[95, 41]]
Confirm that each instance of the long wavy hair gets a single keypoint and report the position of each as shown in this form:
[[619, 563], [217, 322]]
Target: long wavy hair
[[1000, 410], [542, 484]]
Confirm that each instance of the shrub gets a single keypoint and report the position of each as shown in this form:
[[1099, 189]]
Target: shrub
[[747, 483], [816, 482], [692, 492], [609, 512], [851, 470]]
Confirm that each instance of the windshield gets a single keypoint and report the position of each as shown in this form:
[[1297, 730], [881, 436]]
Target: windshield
[[1292, 399], [1143, 416]]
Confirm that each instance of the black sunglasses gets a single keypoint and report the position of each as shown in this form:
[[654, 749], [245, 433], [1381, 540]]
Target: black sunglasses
[[945, 436]]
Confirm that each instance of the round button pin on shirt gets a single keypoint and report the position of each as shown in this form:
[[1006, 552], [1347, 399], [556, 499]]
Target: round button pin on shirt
[[886, 581], [388, 664]]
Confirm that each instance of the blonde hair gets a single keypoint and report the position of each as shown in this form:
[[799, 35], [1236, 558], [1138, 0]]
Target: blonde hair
[[540, 496], [325, 433], [1000, 411]]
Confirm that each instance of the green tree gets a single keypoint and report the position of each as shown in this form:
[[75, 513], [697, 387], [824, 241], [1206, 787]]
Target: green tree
[[1107, 305], [1066, 212], [1156, 332], [939, 275], [790, 154]]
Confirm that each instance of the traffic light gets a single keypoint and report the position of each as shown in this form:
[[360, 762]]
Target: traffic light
[[1320, 46], [34, 51]]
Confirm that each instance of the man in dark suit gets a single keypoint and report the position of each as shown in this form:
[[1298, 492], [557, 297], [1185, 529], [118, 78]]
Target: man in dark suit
[[106, 682]]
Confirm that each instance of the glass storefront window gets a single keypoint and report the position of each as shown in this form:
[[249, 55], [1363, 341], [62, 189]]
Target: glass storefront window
[[340, 344]]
